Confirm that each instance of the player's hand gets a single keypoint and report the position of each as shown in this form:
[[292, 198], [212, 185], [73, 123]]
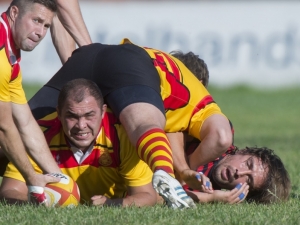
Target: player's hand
[[99, 200], [41, 180], [36, 186], [190, 178], [236, 195], [196, 181], [206, 184]]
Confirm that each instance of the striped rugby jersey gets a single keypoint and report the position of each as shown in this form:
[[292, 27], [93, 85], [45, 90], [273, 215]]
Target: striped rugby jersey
[[110, 166], [11, 89]]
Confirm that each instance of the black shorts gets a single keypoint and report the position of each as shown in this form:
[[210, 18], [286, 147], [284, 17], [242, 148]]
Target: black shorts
[[44, 102], [125, 73], [122, 97]]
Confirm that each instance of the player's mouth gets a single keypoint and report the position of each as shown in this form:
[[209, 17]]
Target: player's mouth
[[226, 174], [33, 41], [81, 136]]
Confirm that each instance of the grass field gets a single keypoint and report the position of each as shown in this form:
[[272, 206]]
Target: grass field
[[262, 118]]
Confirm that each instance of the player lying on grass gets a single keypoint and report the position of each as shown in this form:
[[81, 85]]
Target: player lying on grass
[[257, 170], [273, 184], [90, 146]]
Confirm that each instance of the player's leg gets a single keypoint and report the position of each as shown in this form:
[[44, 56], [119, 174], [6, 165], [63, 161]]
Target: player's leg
[[13, 188], [13, 191], [141, 111]]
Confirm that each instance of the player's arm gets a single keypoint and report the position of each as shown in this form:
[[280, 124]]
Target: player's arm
[[236, 195], [65, 44], [33, 139], [192, 178], [216, 137], [143, 195], [70, 16], [11, 143], [177, 145], [179, 161]]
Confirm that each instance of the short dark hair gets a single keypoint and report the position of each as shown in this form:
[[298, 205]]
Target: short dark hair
[[196, 65], [277, 185], [24, 4], [77, 90]]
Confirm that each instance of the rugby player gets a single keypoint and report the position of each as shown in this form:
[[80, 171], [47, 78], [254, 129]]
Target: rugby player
[[22, 27], [91, 146]]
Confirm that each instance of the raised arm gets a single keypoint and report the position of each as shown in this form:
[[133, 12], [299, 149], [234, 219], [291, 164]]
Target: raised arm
[[70, 16], [63, 42]]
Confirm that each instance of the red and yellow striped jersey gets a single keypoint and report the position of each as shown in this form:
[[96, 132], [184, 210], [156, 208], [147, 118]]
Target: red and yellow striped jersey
[[11, 89], [110, 167], [186, 101]]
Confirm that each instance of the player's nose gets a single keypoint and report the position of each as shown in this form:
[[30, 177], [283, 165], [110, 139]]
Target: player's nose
[[81, 123], [240, 173]]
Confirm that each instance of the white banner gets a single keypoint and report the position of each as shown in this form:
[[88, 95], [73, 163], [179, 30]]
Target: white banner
[[253, 43]]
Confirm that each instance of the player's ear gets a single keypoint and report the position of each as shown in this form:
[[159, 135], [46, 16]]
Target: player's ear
[[14, 12], [104, 108], [58, 113]]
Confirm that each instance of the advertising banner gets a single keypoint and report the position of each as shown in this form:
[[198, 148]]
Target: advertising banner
[[256, 43]]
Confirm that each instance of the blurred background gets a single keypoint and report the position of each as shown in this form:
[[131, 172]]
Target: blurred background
[[253, 43]]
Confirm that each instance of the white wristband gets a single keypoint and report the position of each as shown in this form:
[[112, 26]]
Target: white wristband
[[35, 189]]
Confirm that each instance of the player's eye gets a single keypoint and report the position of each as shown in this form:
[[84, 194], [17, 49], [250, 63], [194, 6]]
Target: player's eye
[[71, 116], [250, 163], [90, 115]]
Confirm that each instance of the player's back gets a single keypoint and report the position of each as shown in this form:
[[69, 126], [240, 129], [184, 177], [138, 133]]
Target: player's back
[[187, 102]]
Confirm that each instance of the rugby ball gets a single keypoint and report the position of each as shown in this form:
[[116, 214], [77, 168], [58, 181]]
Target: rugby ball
[[64, 193]]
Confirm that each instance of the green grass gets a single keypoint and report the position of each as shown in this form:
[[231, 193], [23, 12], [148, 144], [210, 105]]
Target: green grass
[[262, 118], [204, 214]]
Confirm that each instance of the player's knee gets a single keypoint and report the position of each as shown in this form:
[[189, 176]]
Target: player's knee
[[142, 115]]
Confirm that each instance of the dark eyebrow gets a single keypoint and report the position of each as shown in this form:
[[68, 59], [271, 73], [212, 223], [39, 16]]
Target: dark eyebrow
[[76, 115], [71, 113]]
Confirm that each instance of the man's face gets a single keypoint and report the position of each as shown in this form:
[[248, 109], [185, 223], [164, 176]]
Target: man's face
[[81, 121], [31, 27], [235, 169]]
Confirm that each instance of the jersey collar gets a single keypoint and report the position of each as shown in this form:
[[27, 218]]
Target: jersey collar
[[12, 53]]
